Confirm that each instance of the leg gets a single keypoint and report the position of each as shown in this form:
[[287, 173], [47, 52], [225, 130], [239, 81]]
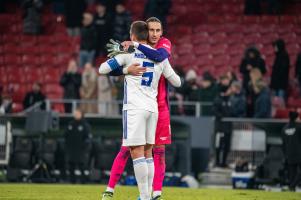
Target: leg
[[226, 149], [118, 167], [219, 138], [82, 58], [292, 170], [296, 177], [81, 168], [72, 172], [90, 56], [134, 136], [163, 137], [141, 171], [150, 165], [160, 167]]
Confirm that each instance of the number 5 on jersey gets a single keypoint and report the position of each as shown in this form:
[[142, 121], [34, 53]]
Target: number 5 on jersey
[[147, 77]]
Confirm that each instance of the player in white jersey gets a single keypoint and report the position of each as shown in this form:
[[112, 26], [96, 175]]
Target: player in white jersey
[[140, 109]]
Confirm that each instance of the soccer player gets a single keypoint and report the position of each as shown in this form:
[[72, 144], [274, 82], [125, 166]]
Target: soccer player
[[163, 132], [140, 109]]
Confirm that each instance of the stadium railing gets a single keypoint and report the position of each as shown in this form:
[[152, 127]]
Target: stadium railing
[[112, 108]]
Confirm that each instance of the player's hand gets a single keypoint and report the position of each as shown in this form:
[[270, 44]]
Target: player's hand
[[136, 69], [126, 45], [114, 48]]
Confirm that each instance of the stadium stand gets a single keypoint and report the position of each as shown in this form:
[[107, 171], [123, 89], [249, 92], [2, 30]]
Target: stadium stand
[[218, 41]]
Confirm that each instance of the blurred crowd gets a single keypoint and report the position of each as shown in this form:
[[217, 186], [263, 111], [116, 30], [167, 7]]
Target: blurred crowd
[[95, 21], [248, 93]]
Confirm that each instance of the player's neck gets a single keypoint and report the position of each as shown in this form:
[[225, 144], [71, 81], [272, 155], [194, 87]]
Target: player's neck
[[142, 41]]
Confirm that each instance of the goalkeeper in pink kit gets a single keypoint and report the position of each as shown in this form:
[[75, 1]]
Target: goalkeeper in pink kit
[[163, 130]]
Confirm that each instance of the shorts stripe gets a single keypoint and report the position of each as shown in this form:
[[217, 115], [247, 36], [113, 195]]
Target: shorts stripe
[[125, 126], [125, 98]]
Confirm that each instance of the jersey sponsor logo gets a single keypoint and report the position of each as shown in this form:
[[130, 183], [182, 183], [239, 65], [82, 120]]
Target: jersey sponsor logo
[[290, 131], [163, 138], [139, 55], [166, 45]]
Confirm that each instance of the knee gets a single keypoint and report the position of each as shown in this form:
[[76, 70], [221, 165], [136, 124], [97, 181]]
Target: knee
[[137, 152]]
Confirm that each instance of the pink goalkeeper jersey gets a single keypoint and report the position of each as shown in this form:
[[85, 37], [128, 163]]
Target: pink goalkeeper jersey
[[162, 96]]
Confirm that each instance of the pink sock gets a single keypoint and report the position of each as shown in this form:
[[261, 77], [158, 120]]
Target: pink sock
[[159, 161], [118, 166]]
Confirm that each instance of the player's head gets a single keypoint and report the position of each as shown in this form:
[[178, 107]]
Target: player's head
[[139, 31], [155, 30]]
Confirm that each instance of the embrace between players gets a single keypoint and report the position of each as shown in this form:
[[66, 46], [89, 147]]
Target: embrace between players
[[146, 117]]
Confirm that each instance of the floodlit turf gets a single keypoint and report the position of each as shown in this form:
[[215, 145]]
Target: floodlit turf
[[93, 192]]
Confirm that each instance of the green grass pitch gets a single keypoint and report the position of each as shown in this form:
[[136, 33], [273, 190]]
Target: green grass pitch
[[93, 192]]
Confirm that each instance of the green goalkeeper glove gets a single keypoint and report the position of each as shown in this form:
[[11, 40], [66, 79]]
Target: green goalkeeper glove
[[114, 48]]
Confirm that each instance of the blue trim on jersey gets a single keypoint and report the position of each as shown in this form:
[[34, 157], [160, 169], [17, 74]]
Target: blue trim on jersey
[[113, 64], [140, 160], [148, 64]]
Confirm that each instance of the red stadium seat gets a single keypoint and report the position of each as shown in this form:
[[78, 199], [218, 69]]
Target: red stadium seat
[[219, 37], [17, 107], [30, 59], [294, 103], [58, 108], [268, 20], [218, 49], [30, 50], [251, 19], [281, 114], [52, 88], [236, 49], [233, 19], [202, 49], [234, 38], [252, 39], [198, 38], [12, 59], [288, 19], [10, 48], [293, 48], [215, 19], [47, 60]]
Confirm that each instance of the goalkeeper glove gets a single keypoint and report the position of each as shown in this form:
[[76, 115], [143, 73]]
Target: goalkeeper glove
[[114, 48]]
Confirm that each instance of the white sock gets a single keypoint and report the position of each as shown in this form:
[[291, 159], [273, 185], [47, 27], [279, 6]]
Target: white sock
[[110, 189], [141, 174], [151, 173], [157, 193]]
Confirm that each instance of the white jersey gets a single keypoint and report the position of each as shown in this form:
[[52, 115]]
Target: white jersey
[[140, 92]]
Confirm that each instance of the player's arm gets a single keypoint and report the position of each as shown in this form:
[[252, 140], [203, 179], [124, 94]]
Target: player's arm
[[170, 74], [134, 70], [113, 64], [157, 55]]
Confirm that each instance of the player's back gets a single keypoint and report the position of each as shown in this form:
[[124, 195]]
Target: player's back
[[140, 92]]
